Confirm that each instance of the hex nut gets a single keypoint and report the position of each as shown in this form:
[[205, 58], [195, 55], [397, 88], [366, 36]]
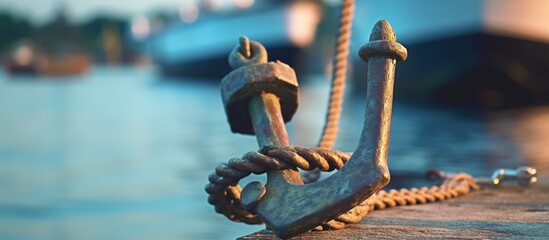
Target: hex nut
[[242, 84]]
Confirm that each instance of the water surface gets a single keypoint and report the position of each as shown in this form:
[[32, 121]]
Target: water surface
[[122, 154]]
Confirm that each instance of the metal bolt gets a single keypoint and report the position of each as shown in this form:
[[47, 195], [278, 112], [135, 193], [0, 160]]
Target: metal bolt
[[252, 76], [523, 175], [266, 118]]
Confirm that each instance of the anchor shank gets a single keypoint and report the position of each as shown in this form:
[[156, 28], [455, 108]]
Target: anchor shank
[[267, 121], [269, 129], [379, 102]]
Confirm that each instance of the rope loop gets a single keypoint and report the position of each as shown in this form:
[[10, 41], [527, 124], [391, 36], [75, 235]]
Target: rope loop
[[224, 191]]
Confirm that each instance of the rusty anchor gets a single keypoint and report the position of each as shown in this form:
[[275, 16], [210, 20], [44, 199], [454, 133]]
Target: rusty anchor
[[259, 96]]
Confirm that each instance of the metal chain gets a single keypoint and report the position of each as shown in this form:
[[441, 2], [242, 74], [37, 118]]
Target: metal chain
[[225, 192]]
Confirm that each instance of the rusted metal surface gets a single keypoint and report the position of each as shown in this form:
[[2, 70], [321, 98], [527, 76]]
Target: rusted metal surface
[[252, 76], [290, 209]]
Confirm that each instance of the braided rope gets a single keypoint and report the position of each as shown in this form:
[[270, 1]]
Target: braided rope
[[454, 186], [331, 127], [224, 191], [337, 88]]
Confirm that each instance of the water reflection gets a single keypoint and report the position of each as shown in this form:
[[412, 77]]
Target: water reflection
[[119, 154], [529, 130]]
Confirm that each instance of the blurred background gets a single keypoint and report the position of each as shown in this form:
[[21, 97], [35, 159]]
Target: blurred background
[[111, 118]]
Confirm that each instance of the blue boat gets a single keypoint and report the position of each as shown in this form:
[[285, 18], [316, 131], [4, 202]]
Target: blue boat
[[488, 54], [200, 49]]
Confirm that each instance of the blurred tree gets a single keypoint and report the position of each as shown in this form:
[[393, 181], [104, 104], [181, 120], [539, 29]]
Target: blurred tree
[[103, 36], [12, 30]]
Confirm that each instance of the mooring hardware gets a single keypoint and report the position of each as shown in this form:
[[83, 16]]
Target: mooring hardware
[[260, 97]]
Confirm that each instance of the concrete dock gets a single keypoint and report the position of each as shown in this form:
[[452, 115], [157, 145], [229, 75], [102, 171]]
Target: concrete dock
[[502, 212]]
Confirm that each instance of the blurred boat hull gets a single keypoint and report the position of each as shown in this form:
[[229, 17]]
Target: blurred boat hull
[[201, 49], [51, 66], [216, 67], [469, 53], [65, 66], [14, 68]]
